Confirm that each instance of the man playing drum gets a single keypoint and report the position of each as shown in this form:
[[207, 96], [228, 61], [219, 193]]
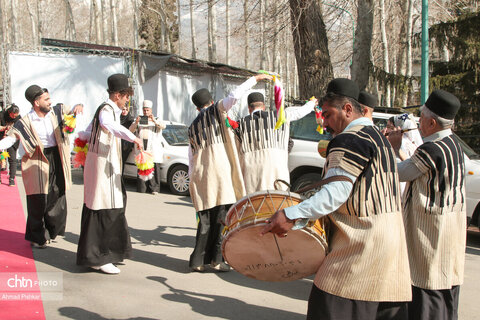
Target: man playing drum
[[366, 273]]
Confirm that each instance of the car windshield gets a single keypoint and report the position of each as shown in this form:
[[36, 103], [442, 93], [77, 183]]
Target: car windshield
[[305, 129], [471, 154], [176, 135]]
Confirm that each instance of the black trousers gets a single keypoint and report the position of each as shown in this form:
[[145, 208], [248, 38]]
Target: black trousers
[[325, 306], [12, 161], [208, 241], [47, 213], [434, 304], [104, 236], [152, 185]]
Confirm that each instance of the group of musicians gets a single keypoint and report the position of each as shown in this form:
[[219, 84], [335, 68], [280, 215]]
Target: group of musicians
[[388, 257]]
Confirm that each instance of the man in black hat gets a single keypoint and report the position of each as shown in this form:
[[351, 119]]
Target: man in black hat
[[369, 102], [434, 210], [104, 237], [365, 274], [262, 149], [215, 175], [45, 165]]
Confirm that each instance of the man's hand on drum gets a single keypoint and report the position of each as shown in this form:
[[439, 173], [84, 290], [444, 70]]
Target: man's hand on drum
[[278, 224]]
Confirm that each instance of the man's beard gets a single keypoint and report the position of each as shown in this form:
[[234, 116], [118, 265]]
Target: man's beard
[[45, 109]]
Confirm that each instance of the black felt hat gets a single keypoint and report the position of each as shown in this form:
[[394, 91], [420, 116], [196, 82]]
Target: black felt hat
[[255, 97], [34, 92], [201, 98], [367, 99], [344, 87], [443, 104], [118, 82]]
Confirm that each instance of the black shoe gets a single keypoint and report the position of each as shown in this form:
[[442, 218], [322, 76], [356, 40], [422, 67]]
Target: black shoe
[[222, 266], [39, 246], [11, 183]]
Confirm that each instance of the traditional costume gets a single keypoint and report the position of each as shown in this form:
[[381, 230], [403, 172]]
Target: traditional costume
[[435, 216], [151, 135], [262, 149], [46, 170], [215, 176], [365, 274], [104, 236]]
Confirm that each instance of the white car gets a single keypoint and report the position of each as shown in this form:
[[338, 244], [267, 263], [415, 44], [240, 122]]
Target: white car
[[174, 169], [306, 165]]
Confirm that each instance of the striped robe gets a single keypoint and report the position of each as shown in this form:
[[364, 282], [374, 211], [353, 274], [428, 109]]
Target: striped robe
[[435, 216], [215, 176], [35, 166], [103, 169], [262, 151], [367, 257]]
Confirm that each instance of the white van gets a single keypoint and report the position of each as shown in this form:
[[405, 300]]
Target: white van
[[306, 165]]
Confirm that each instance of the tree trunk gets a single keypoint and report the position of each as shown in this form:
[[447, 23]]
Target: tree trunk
[[363, 43], [227, 31], [212, 28], [70, 33], [113, 10], [91, 22], [15, 36], [192, 31], [262, 34], [386, 65], [179, 51], [34, 25], [311, 48], [135, 24], [39, 20], [408, 37], [275, 36], [245, 25], [104, 20]]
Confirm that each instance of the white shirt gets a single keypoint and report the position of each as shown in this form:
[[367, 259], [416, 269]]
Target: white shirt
[[110, 123], [42, 126]]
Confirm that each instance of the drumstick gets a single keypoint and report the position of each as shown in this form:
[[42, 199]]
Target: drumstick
[[403, 131], [278, 247]]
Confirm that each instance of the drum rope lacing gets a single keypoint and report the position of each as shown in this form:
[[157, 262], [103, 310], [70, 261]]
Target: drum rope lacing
[[257, 215]]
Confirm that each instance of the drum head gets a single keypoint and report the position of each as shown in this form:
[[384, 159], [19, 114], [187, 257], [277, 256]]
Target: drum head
[[273, 258]]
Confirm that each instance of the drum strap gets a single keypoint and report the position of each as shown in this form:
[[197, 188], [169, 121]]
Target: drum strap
[[323, 182]]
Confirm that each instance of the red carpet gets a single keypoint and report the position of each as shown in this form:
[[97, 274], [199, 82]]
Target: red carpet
[[17, 300]]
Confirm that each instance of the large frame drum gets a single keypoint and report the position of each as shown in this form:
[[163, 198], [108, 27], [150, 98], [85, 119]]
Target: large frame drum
[[270, 257]]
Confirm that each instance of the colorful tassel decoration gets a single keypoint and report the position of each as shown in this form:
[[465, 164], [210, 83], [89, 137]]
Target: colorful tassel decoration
[[144, 163], [279, 102], [231, 123], [4, 155], [80, 148], [319, 119], [70, 123]]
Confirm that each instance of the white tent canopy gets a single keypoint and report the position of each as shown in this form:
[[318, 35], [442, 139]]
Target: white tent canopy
[[69, 78]]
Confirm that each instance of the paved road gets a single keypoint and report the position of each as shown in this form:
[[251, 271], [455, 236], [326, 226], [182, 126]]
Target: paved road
[[156, 282]]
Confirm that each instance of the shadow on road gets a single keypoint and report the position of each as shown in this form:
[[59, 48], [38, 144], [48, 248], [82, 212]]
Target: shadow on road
[[224, 307], [299, 289], [81, 314], [160, 260], [159, 237]]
